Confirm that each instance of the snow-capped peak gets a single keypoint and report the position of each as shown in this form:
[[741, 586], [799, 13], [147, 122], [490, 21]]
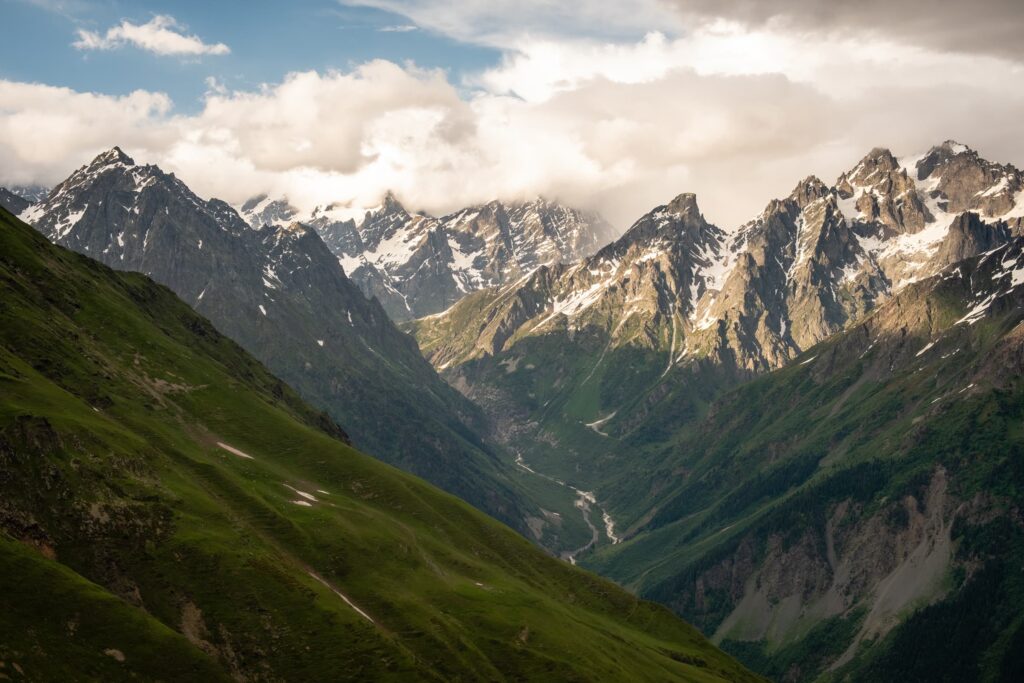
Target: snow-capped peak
[[114, 155]]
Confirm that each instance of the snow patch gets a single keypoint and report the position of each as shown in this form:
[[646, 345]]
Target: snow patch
[[68, 223], [978, 312], [235, 451], [307, 496], [597, 424]]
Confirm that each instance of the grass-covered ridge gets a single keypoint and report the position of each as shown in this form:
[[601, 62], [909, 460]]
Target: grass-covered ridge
[[137, 543]]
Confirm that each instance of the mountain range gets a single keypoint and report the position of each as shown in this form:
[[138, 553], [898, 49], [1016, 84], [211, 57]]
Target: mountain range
[[592, 348], [672, 375], [418, 265], [860, 504], [755, 296]]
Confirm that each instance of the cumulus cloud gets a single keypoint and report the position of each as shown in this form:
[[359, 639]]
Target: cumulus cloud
[[737, 114], [843, 67], [161, 35], [45, 131]]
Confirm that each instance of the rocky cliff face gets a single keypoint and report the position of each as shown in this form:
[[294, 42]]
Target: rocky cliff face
[[419, 265], [280, 293]]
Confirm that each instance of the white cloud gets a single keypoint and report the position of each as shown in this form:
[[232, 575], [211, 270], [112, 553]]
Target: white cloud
[[737, 115], [842, 67], [46, 131], [502, 22], [398, 28], [161, 35]]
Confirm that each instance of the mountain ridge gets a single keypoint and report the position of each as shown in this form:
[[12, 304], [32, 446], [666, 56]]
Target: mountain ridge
[[577, 363], [417, 264]]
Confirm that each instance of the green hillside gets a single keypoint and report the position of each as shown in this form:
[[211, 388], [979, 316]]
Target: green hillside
[[172, 511], [856, 515]]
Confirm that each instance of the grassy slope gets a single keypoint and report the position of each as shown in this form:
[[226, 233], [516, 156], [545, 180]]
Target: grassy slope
[[113, 396]]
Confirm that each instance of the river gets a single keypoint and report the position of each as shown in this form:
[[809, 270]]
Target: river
[[584, 499]]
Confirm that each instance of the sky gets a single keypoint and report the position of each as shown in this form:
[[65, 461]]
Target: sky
[[610, 106]]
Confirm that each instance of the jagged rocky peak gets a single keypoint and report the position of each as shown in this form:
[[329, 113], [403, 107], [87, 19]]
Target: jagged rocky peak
[[291, 246], [879, 171], [964, 181], [673, 229], [111, 159], [262, 210], [878, 189], [114, 164], [391, 204], [684, 205], [225, 215], [114, 155], [390, 210], [809, 190], [132, 216], [880, 158], [939, 155]]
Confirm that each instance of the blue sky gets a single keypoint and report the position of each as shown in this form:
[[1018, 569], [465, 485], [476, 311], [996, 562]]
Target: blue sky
[[267, 40]]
